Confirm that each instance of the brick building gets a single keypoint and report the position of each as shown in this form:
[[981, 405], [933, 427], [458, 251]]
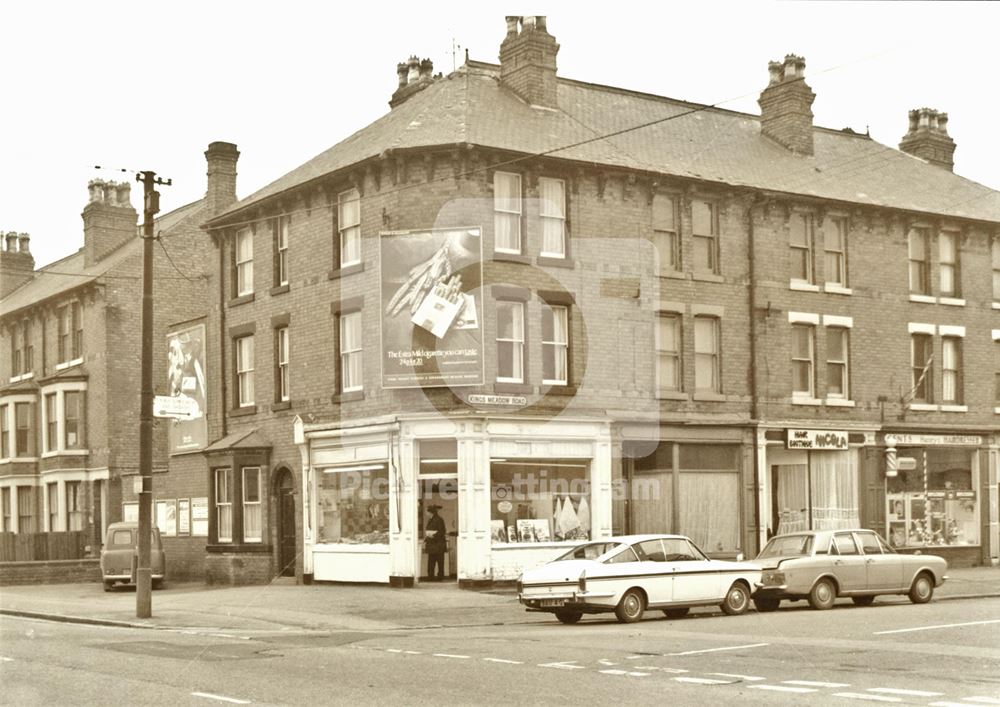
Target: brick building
[[70, 379], [504, 300]]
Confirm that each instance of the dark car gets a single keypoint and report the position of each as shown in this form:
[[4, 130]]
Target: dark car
[[120, 555]]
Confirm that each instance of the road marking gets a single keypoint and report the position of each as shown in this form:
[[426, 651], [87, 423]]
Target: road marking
[[781, 688], [636, 674], [5, 659], [910, 693], [956, 704], [613, 672], [703, 681], [866, 696], [449, 655], [221, 698], [983, 700], [810, 683], [413, 652], [504, 661], [566, 665], [663, 670], [931, 628], [605, 661], [751, 678], [726, 648], [393, 650]]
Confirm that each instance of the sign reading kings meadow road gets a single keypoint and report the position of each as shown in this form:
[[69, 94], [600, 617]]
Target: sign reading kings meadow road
[[432, 310]]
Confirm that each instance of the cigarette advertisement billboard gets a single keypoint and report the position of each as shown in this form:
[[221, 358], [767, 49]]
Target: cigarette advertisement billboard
[[186, 379]]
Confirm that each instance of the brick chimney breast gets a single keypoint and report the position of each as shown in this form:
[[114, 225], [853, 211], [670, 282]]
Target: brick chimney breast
[[928, 139], [528, 60], [17, 265], [108, 219], [221, 190], [786, 105], [414, 75]]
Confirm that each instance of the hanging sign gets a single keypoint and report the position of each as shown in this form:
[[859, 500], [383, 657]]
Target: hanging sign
[[816, 439]]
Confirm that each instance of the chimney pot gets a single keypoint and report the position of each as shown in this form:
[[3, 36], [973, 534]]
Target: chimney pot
[[414, 70], [928, 138], [943, 123], [23, 241], [221, 186], [11, 239], [401, 70], [512, 21], [426, 69], [774, 69]]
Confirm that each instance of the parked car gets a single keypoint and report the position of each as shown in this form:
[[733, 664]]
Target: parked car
[[821, 565], [629, 574], [121, 550]]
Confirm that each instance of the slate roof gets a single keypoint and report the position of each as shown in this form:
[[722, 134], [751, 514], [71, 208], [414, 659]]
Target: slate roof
[[71, 272], [470, 106]]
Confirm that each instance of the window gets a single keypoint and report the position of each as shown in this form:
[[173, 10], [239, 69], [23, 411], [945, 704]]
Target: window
[[844, 544], [349, 227], [281, 227], [668, 351], [252, 524], [948, 263], [5, 431], [281, 388], [223, 506], [351, 363], [73, 420], [51, 422], [803, 360], [837, 363], [510, 342], [24, 434], [5, 503], [996, 377], [995, 250], [28, 350], [507, 212], [801, 241], [707, 373], [922, 356], [244, 371], [665, 233], [52, 496], [74, 505], [62, 335], [15, 351], [555, 344], [24, 510], [244, 262], [951, 370], [77, 322], [552, 210], [551, 507], [354, 505], [835, 251], [919, 255], [705, 236]]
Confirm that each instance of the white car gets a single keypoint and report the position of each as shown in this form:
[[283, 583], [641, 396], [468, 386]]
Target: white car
[[632, 573]]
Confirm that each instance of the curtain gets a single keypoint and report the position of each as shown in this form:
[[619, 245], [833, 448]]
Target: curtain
[[792, 497], [651, 495], [553, 213], [834, 490], [710, 510]]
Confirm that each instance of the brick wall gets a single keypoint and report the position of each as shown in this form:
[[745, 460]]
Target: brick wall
[[53, 572]]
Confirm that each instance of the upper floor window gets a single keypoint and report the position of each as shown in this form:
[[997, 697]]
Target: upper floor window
[[64, 349], [351, 353], [252, 521], [73, 420], [552, 210], [510, 342], [244, 371], [507, 212], [668, 352], [666, 236], [919, 257], [921, 351], [15, 351], [951, 370], [281, 227], [707, 369], [801, 241], [22, 352], [803, 360], [555, 344], [996, 374], [995, 251], [5, 503], [223, 506], [948, 263], [349, 227], [281, 347], [5, 430], [835, 251], [76, 320], [51, 422], [837, 362], [244, 262], [705, 236], [24, 429]]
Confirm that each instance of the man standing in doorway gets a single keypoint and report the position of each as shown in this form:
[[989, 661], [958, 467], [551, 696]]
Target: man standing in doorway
[[436, 544]]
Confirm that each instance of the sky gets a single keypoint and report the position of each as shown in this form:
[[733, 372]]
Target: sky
[[147, 86]]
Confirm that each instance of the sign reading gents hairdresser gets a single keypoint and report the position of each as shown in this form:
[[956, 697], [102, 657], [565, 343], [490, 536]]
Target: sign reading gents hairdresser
[[432, 309]]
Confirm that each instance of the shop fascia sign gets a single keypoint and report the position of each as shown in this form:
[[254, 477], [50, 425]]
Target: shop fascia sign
[[516, 400], [816, 439], [937, 440]]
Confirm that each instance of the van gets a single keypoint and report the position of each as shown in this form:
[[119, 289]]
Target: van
[[120, 556]]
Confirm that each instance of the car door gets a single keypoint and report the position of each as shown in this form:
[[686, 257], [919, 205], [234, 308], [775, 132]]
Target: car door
[[694, 578], [655, 570], [884, 569], [848, 563]]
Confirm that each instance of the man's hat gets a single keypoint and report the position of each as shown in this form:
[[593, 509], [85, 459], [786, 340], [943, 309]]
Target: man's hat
[[433, 507]]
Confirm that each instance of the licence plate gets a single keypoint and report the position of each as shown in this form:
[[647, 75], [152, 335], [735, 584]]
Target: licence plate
[[553, 602]]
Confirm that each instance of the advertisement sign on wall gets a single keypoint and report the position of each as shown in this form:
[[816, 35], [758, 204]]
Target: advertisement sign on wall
[[432, 334], [186, 379]]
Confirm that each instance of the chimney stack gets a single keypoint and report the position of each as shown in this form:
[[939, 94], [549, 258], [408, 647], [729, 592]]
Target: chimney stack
[[928, 138], [17, 265], [221, 192], [414, 75], [786, 105], [108, 219], [528, 60]]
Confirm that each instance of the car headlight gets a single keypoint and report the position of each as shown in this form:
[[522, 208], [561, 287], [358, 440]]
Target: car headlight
[[773, 578]]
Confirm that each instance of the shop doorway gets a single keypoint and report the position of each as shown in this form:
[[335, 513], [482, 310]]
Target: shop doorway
[[441, 494], [286, 524]]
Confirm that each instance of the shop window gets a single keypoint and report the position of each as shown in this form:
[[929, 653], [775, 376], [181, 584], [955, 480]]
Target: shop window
[[705, 236], [555, 344], [252, 522], [5, 503], [918, 249], [281, 227], [801, 242], [707, 370], [951, 370], [803, 360], [507, 212], [835, 251], [922, 356], [814, 490], [24, 430], [52, 497], [74, 505], [243, 262], [552, 211], [354, 505], [539, 502], [948, 265], [351, 353], [666, 235], [937, 503], [349, 227], [223, 505], [510, 342], [25, 514], [668, 352]]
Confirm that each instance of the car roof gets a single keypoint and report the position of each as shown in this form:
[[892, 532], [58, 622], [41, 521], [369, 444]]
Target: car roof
[[630, 539], [823, 533]]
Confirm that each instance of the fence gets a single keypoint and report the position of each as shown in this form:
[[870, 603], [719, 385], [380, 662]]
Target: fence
[[41, 547]]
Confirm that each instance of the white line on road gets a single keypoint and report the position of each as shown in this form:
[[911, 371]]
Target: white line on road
[[781, 688], [703, 681], [449, 655], [665, 670], [612, 672], [983, 700], [636, 674], [810, 683], [866, 696], [413, 652], [726, 648], [605, 661], [953, 704], [393, 650], [504, 661], [908, 693], [931, 628], [221, 698], [567, 665], [751, 678], [5, 659]]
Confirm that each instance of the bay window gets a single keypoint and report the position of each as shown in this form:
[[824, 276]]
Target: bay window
[[223, 505], [252, 521]]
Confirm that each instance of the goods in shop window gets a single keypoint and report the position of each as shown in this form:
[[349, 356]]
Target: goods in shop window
[[498, 532]]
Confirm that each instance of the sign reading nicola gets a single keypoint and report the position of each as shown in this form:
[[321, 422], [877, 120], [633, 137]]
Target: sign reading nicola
[[816, 439], [430, 282]]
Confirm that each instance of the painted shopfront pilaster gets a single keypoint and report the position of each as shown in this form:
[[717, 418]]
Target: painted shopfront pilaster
[[403, 522], [763, 498], [993, 491], [308, 505], [474, 492]]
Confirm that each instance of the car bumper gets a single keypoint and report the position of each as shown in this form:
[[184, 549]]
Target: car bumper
[[581, 601], [127, 577]]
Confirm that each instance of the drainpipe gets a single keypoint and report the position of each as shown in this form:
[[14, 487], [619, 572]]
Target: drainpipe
[[754, 398], [223, 373]]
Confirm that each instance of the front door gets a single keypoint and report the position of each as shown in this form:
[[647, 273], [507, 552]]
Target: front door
[[286, 526], [440, 493]]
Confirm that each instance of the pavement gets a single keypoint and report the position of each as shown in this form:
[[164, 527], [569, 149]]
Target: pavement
[[284, 607]]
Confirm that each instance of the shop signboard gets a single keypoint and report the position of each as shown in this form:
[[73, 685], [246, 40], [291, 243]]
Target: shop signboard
[[920, 440], [515, 400], [431, 305], [186, 383], [816, 439]]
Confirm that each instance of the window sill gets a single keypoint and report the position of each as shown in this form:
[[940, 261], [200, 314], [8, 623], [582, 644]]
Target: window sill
[[952, 301], [548, 261], [247, 547], [558, 389], [806, 401], [281, 405], [509, 387], [352, 396], [802, 286], [834, 289], [68, 364], [280, 289], [22, 377], [243, 411], [242, 299], [672, 395], [839, 403], [954, 408], [65, 453], [710, 397], [923, 407], [707, 277], [996, 305], [673, 274], [345, 271], [511, 257], [923, 299], [996, 411]]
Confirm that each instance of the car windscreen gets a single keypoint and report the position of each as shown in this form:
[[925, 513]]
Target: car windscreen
[[788, 546], [588, 551]]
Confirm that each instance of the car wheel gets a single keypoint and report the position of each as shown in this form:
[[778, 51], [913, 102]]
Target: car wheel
[[823, 595], [737, 599], [863, 601], [922, 589], [631, 607], [108, 585], [569, 617], [676, 613], [766, 604]]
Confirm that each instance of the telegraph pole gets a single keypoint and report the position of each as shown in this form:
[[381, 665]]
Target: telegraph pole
[[144, 571]]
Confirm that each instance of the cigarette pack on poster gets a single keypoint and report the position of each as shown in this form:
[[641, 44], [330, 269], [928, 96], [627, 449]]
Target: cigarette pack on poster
[[436, 314]]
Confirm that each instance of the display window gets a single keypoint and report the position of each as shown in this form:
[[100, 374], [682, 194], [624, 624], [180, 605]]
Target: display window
[[936, 503], [814, 490], [540, 502], [354, 505]]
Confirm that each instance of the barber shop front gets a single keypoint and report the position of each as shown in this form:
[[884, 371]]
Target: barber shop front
[[511, 493]]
